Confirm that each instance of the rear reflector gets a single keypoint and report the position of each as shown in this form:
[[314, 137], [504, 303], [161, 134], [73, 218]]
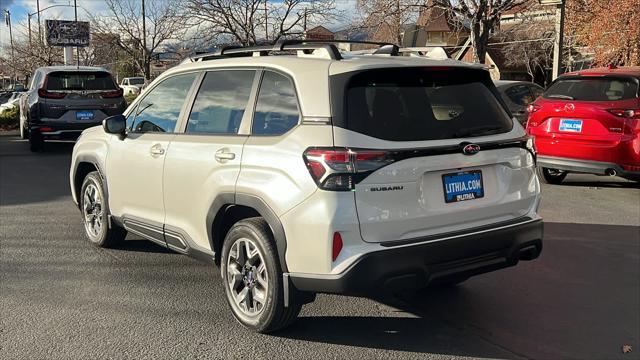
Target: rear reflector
[[45, 129], [631, 167], [337, 246]]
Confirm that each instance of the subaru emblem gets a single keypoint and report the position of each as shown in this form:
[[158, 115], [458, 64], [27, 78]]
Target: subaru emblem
[[471, 149]]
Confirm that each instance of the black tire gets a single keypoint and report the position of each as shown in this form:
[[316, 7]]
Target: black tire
[[24, 131], [108, 235], [273, 315], [551, 176], [36, 142]]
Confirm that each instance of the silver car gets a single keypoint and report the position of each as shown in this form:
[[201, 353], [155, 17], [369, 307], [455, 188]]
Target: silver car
[[64, 100]]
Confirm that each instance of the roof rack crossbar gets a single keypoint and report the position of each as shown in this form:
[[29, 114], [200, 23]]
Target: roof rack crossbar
[[293, 45]]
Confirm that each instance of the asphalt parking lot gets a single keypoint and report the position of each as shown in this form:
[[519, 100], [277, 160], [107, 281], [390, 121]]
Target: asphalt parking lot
[[61, 297]]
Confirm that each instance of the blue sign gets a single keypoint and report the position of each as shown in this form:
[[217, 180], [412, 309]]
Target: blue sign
[[463, 186], [570, 125], [84, 115]]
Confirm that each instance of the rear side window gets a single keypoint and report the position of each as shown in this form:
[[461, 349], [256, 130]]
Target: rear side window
[[414, 104], [221, 102], [593, 89], [85, 80], [520, 95], [161, 106], [277, 108]]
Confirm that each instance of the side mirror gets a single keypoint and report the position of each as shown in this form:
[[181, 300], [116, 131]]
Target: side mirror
[[116, 124]]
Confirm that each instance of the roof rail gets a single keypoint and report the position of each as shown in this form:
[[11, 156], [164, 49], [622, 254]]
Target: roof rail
[[228, 51]]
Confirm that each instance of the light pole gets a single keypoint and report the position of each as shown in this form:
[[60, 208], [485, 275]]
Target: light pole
[[7, 19]]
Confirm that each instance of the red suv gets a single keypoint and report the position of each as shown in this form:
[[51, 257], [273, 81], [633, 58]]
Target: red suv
[[589, 122]]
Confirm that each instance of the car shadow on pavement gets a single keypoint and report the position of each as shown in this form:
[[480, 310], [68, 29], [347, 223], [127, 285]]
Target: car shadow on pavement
[[27, 177], [599, 181], [578, 300], [410, 331], [603, 184]]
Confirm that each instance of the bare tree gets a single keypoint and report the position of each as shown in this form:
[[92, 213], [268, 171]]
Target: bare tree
[[483, 17], [30, 55], [247, 22], [531, 47], [386, 19], [165, 20]]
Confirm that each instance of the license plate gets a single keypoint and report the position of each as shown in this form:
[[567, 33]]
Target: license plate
[[462, 186], [84, 115], [570, 125]]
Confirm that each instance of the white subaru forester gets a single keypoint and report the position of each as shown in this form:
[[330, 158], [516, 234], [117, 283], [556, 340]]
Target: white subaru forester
[[299, 169]]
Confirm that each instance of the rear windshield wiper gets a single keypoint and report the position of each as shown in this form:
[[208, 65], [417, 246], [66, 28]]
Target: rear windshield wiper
[[560, 96], [478, 131]]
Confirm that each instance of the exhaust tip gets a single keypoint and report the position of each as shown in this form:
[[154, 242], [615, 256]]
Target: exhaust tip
[[611, 172]]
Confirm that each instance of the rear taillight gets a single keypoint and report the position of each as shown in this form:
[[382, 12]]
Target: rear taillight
[[626, 113], [339, 169], [112, 94], [51, 94], [533, 108]]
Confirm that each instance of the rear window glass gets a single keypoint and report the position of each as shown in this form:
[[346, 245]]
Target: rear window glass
[[86, 80], [136, 81], [414, 104], [593, 89]]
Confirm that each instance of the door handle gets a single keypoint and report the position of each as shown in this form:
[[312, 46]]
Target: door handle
[[224, 155], [156, 150]]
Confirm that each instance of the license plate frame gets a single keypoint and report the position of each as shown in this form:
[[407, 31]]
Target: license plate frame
[[85, 115], [465, 190], [570, 125]]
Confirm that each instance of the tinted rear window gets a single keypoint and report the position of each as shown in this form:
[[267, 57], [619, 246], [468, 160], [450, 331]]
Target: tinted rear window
[[593, 89], [86, 80], [414, 104]]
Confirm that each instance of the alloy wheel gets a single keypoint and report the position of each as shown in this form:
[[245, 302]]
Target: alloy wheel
[[92, 209], [247, 278]]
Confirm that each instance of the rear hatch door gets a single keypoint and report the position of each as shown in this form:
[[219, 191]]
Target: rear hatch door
[[451, 158], [582, 109], [80, 96]]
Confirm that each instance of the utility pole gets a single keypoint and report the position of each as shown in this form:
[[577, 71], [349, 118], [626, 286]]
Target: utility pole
[[7, 19], [75, 11], [559, 38], [266, 22], [29, 16], [38, 12], [144, 44], [558, 41], [304, 24]]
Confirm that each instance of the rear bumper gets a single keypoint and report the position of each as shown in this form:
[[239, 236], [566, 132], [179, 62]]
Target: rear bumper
[[416, 266], [61, 130], [585, 166]]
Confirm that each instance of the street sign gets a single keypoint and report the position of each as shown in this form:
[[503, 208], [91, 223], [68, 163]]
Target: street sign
[[67, 33]]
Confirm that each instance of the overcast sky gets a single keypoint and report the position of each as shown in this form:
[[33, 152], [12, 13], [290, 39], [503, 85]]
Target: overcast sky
[[63, 10]]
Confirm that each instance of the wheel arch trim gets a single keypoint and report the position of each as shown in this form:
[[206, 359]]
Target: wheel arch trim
[[91, 159], [216, 213]]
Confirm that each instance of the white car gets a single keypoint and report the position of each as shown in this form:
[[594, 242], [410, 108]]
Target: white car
[[132, 85], [299, 170], [12, 102]]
